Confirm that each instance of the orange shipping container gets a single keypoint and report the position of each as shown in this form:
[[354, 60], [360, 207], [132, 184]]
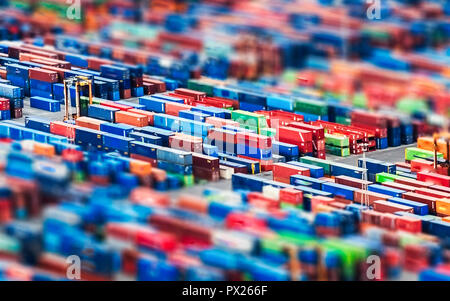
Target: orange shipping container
[[89, 122], [193, 203], [443, 207], [140, 168], [131, 119], [427, 143], [173, 108], [159, 174], [44, 149], [145, 113]]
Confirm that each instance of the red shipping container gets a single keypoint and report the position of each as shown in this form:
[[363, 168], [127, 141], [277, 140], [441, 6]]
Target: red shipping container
[[409, 224], [352, 182], [371, 217], [112, 104], [150, 88], [275, 121], [174, 108], [400, 186], [145, 113], [433, 193], [125, 94], [72, 155], [412, 182], [43, 75], [305, 147], [388, 221], [160, 241], [338, 205], [192, 93], [186, 144], [319, 145], [434, 178], [293, 135], [182, 229], [61, 72], [39, 52], [421, 165], [63, 129], [283, 171], [293, 117], [160, 84], [365, 197], [52, 62], [206, 174], [220, 102], [403, 164], [4, 104], [17, 113], [368, 118], [320, 154], [430, 201], [60, 54], [440, 188], [254, 140], [95, 63], [204, 161], [223, 136], [291, 196], [317, 200], [187, 99], [5, 211], [45, 63], [131, 118], [259, 200], [244, 221], [317, 131]]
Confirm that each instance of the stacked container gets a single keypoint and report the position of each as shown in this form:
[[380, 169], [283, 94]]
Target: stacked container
[[376, 122], [41, 82], [15, 96], [318, 133], [120, 74]]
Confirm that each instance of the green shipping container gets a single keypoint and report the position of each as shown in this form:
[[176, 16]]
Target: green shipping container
[[310, 106], [325, 164], [336, 140], [412, 153], [337, 151]]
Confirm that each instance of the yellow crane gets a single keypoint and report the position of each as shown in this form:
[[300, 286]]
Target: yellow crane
[[446, 138], [78, 82]]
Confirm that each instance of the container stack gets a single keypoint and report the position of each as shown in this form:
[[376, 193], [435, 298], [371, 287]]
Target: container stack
[[319, 139], [15, 96], [122, 75], [205, 167], [372, 121], [255, 147], [41, 82], [177, 163], [337, 144], [302, 138]]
